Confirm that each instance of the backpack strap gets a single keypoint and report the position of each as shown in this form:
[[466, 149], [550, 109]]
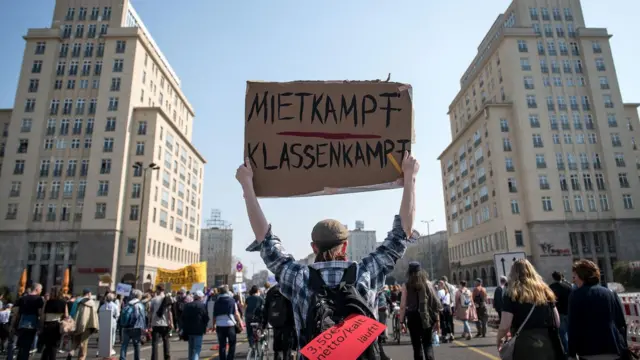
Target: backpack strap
[[316, 282], [350, 275]]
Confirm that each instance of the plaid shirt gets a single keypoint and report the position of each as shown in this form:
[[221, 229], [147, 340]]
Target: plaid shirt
[[294, 277]]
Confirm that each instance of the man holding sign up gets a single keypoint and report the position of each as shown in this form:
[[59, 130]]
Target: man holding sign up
[[359, 282]]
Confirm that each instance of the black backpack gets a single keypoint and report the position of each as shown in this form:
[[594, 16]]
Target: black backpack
[[330, 306], [280, 311]]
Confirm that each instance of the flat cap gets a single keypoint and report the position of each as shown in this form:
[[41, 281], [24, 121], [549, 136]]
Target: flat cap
[[328, 234]]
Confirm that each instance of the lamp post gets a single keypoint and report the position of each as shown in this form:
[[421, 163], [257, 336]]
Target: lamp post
[[431, 274], [151, 167]]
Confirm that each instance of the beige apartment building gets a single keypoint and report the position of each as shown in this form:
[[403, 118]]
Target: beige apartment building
[[98, 147], [543, 158]]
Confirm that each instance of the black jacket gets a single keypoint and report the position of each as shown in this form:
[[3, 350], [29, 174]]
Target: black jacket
[[596, 322], [195, 318], [498, 302], [562, 290]]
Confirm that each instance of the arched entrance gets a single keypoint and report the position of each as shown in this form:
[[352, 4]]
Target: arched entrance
[[454, 279], [468, 276], [460, 278], [475, 274], [483, 277], [129, 278]]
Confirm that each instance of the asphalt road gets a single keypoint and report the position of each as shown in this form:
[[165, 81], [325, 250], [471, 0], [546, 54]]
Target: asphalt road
[[474, 349]]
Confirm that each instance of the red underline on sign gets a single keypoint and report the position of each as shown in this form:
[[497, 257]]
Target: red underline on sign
[[329, 136]]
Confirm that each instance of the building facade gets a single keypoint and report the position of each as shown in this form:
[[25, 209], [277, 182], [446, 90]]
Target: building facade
[[99, 160], [543, 157], [216, 246], [361, 242]]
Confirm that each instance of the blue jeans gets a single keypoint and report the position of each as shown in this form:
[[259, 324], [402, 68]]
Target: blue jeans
[[226, 334], [564, 337], [134, 336], [195, 346], [466, 329]]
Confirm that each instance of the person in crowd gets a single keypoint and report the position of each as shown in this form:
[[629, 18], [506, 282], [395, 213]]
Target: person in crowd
[[452, 293], [253, 311], [178, 307], [329, 243], [195, 319], [465, 309], [55, 310], [239, 301], [225, 319], [529, 310], [480, 300], [421, 306], [85, 312], [5, 329], [133, 321], [446, 316], [562, 290], [384, 304], [29, 313], [161, 323], [110, 304], [278, 312], [497, 297], [597, 327]]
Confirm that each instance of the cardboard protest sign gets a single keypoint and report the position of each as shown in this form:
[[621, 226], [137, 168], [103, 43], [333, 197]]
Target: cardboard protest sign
[[345, 341], [307, 138]]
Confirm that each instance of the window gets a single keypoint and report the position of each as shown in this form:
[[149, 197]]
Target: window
[[142, 128], [134, 212], [566, 203], [524, 64], [577, 199], [115, 84], [121, 46], [131, 246], [622, 179], [101, 210], [515, 208], [544, 182], [528, 82], [140, 148], [504, 125], [604, 202], [113, 104], [506, 144], [531, 101], [103, 188], [591, 202], [18, 168], [108, 145], [628, 201], [511, 184], [522, 46], [118, 65], [537, 141], [546, 203], [600, 64], [519, 238], [110, 124]]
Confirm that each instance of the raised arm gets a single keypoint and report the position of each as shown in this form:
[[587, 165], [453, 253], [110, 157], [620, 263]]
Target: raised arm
[[258, 222], [410, 169], [381, 262]]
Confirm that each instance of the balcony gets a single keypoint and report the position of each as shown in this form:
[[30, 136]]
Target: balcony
[[541, 165], [544, 186]]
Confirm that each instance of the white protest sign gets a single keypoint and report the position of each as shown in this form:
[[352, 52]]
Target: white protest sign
[[123, 289], [197, 287]]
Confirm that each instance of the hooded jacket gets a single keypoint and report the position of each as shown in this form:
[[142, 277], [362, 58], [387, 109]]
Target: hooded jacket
[[86, 316]]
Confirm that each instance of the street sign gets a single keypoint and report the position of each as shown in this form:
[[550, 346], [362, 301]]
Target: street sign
[[504, 261], [239, 267], [239, 277]]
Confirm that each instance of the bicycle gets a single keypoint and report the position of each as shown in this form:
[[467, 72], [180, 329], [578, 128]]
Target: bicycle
[[260, 348], [397, 324]]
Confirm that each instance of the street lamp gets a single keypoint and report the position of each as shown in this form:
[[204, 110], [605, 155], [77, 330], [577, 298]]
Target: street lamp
[[431, 274], [151, 167]]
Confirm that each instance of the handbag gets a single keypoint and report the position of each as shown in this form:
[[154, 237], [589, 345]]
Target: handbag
[[236, 324], [507, 349], [67, 326]]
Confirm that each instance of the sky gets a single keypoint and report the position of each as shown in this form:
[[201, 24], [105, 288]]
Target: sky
[[216, 46]]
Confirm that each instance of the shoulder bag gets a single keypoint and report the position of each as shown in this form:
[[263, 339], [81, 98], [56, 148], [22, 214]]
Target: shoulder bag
[[506, 351]]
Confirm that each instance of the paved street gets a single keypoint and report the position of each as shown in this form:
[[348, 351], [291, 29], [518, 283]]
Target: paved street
[[475, 349]]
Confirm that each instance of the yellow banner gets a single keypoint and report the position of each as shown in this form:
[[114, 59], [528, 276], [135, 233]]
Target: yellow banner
[[184, 277]]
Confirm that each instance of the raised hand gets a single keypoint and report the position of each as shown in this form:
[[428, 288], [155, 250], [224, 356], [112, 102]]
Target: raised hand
[[244, 174], [410, 165]]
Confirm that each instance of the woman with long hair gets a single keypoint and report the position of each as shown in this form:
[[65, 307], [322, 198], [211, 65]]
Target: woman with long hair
[[465, 309], [55, 310], [445, 316], [529, 311], [421, 306]]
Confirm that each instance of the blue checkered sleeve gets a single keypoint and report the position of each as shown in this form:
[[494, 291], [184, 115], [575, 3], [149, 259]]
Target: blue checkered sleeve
[[282, 264], [381, 262]]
